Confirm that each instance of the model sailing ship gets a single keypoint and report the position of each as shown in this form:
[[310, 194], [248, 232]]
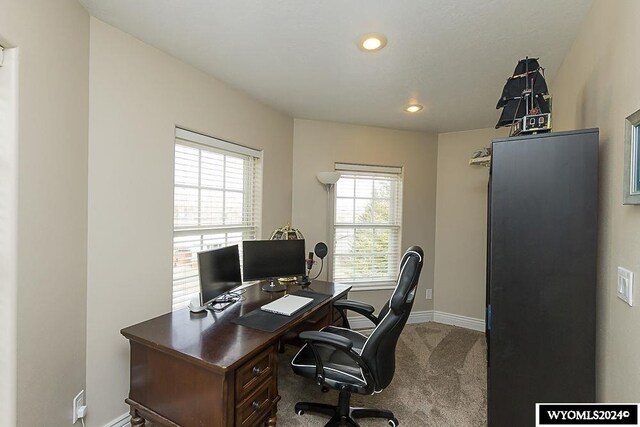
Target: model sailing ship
[[525, 100], [525, 103]]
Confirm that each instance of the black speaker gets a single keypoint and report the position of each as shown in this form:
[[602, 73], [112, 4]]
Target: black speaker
[[321, 250]]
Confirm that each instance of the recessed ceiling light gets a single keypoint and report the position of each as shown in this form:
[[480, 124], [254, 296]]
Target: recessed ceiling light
[[413, 108], [372, 41]]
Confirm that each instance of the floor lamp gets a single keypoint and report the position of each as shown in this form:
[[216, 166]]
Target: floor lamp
[[329, 180]]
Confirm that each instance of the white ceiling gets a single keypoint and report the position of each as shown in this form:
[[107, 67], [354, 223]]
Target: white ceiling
[[301, 56]]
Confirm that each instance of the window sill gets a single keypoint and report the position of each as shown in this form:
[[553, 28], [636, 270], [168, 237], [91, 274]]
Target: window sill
[[361, 287]]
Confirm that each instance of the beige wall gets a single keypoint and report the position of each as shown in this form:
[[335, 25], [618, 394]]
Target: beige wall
[[318, 145], [53, 43], [461, 223], [597, 86], [138, 95]]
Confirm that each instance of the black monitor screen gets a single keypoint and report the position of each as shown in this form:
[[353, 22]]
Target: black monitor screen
[[219, 272], [265, 259]]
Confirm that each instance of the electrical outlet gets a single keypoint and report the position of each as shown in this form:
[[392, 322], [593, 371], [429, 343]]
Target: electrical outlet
[[624, 290], [78, 402], [429, 293]]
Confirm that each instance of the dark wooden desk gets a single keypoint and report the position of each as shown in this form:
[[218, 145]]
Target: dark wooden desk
[[199, 369]]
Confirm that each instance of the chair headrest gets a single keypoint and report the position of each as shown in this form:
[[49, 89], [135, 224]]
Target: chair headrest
[[410, 267]]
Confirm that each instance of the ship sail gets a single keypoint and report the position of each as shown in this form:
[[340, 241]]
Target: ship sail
[[525, 93]]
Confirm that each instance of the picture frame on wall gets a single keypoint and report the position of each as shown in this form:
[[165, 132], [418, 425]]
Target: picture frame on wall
[[631, 184]]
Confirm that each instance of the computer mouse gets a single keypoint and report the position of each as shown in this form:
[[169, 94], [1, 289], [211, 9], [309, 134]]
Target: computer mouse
[[196, 308]]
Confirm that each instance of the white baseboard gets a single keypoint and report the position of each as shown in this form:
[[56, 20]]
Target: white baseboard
[[458, 320], [361, 322], [421, 316], [121, 421]]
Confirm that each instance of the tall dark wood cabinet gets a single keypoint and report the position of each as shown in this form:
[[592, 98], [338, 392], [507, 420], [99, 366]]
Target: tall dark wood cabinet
[[541, 273]]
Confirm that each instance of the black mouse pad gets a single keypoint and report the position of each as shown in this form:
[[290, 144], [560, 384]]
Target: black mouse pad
[[270, 322]]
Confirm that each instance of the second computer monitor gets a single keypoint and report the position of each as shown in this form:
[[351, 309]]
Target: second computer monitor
[[267, 259], [219, 272]]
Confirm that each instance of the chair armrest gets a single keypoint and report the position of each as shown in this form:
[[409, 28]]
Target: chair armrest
[[359, 307], [356, 306], [337, 341], [340, 343]]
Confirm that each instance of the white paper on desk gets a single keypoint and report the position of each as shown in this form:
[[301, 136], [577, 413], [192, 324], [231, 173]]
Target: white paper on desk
[[287, 305]]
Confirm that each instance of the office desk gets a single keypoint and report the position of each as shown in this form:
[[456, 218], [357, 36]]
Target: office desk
[[200, 369]]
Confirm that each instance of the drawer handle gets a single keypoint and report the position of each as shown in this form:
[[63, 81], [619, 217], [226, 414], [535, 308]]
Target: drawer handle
[[255, 405], [256, 371]]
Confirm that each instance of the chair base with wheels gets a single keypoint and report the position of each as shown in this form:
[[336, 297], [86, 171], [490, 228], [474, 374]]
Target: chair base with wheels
[[343, 413]]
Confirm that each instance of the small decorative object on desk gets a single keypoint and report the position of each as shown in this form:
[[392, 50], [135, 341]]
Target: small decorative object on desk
[[525, 100], [286, 233]]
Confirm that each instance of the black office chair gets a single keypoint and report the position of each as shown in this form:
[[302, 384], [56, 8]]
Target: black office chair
[[351, 362]]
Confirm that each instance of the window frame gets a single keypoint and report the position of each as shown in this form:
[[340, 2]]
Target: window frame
[[395, 172], [631, 182], [252, 202]]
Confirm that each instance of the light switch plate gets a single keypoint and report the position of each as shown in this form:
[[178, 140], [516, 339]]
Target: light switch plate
[[624, 289]]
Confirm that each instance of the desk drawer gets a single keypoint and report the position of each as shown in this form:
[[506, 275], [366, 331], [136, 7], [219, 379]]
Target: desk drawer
[[249, 375], [256, 406]]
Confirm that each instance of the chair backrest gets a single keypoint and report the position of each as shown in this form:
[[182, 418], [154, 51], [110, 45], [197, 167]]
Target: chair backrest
[[379, 351]]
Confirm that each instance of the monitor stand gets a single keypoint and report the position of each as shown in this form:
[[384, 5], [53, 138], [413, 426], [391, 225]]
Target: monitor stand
[[304, 281], [273, 287]]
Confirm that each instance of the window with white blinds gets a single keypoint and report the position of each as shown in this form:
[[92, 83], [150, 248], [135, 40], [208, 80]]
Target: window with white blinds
[[368, 224], [217, 202]]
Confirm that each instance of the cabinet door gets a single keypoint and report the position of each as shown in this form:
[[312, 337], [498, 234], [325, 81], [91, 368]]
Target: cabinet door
[[543, 230]]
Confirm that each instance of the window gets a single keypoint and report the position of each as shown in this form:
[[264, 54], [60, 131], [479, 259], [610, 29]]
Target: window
[[368, 224], [217, 189]]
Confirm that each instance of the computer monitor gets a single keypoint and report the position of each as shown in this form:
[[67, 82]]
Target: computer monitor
[[219, 272], [269, 259]]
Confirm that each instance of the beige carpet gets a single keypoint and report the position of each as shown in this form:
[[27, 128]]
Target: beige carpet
[[440, 380]]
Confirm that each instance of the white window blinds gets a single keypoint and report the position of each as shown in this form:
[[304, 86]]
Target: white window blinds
[[368, 224], [217, 201]]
